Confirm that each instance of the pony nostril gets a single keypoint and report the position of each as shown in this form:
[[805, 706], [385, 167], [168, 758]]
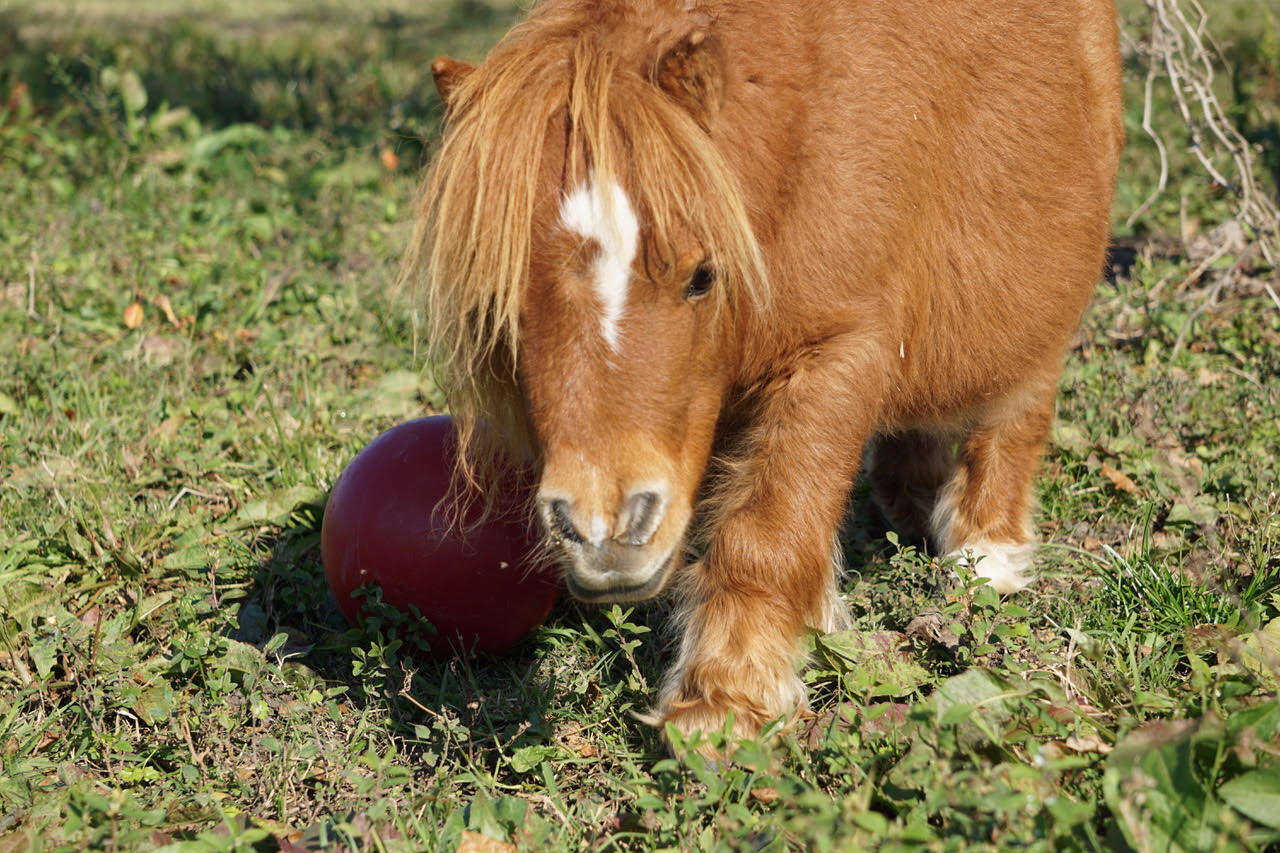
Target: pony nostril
[[556, 514], [642, 514]]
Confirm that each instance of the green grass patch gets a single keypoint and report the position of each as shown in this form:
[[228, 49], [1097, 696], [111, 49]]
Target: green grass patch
[[204, 209]]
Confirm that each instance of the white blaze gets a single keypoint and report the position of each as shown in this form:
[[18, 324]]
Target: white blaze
[[604, 214]]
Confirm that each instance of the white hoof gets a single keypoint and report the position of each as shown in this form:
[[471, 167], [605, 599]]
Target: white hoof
[[1006, 565]]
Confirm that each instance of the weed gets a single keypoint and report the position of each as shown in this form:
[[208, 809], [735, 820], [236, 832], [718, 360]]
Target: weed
[[198, 329]]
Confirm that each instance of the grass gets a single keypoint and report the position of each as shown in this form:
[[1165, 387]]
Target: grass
[[203, 213]]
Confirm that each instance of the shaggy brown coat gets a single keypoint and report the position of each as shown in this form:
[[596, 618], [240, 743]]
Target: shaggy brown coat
[[906, 205]]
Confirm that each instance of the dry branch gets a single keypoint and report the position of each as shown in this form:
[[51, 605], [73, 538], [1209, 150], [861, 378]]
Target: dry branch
[[1180, 51]]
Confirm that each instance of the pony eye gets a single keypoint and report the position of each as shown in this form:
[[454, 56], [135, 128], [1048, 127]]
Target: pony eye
[[700, 283]]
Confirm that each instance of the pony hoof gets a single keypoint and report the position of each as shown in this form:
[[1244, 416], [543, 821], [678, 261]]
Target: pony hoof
[[1006, 565], [698, 722]]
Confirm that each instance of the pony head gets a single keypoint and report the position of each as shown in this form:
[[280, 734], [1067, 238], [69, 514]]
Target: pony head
[[586, 257]]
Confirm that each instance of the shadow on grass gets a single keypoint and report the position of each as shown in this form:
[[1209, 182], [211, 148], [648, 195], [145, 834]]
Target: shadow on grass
[[473, 703], [487, 706]]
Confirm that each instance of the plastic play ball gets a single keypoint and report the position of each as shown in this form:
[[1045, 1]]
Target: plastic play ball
[[384, 524]]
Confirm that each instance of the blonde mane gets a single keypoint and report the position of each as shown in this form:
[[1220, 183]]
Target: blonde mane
[[470, 251]]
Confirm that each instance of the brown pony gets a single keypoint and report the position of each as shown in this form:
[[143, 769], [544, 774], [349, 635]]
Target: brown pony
[[696, 260]]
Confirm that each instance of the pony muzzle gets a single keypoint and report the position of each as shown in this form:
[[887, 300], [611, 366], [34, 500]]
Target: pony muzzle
[[612, 558]]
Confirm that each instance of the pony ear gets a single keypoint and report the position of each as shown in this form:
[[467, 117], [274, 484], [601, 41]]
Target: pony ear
[[692, 73], [448, 73]]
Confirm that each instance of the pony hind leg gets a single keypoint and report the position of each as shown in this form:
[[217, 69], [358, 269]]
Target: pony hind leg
[[908, 471], [983, 513]]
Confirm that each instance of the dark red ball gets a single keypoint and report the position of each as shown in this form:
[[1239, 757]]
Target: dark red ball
[[477, 583]]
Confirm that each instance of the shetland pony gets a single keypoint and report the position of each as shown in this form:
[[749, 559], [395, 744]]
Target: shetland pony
[[696, 261]]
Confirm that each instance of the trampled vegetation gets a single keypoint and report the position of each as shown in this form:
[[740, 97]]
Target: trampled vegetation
[[203, 208]]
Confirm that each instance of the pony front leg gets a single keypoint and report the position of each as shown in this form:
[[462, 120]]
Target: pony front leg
[[742, 614], [768, 574]]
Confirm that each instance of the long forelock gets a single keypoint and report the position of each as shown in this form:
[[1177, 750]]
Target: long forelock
[[469, 253]]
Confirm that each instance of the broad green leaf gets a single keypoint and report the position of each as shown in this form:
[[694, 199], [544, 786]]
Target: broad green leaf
[[1071, 437], [1258, 653], [242, 657], [396, 394], [190, 557], [976, 687], [873, 661], [278, 506], [1264, 719], [235, 136], [1155, 790], [977, 701], [251, 621], [22, 600], [1197, 510], [132, 92], [1256, 794], [156, 702], [44, 654], [526, 758]]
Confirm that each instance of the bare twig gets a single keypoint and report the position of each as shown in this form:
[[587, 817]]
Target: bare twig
[[1200, 269], [1209, 301], [31, 286], [1272, 293], [1180, 51], [1152, 71]]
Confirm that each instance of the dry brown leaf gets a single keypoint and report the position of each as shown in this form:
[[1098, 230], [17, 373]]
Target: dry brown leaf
[[162, 302], [22, 838], [166, 158], [133, 315], [1087, 743], [169, 427], [159, 350], [474, 842], [1205, 376], [1119, 479], [132, 461], [765, 795], [574, 741], [17, 96], [933, 627], [892, 715]]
